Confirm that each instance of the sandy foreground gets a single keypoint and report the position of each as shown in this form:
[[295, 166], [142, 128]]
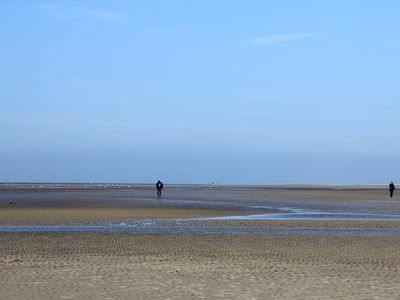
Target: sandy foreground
[[197, 265], [184, 266]]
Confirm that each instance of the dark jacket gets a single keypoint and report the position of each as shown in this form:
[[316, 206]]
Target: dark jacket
[[159, 185]]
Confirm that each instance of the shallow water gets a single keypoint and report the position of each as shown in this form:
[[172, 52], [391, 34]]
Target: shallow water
[[311, 215]]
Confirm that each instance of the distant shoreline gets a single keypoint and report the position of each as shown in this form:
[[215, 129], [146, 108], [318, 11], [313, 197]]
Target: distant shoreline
[[100, 185]]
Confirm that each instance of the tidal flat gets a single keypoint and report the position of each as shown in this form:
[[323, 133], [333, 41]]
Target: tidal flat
[[198, 241]]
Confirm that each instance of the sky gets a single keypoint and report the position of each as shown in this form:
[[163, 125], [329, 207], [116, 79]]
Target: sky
[[252, 92]]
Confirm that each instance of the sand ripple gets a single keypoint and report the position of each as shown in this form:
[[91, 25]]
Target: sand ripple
[[70, 265]]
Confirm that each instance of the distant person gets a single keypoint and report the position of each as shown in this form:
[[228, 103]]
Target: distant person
[[391, 188], [159, 187]]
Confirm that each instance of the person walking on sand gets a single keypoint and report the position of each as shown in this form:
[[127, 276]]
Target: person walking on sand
[[391, 189], [159, 187]]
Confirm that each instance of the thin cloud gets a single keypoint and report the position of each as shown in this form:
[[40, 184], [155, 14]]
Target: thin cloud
[[156, 30], [270, 39], [84, 12]]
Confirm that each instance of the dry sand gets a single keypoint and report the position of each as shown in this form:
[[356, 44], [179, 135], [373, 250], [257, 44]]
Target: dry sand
[[201, 266]]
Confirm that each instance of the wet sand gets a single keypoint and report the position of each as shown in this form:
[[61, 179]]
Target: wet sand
[[181, 255], [98, 215]]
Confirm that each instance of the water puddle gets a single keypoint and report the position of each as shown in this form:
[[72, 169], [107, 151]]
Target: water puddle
[[303, 214]]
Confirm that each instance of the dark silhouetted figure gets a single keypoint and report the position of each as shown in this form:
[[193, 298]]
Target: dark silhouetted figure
[[391, 188], [159, 187]]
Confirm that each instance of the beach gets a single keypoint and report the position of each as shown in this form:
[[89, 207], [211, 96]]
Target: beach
[[187, 150], [122, 242]]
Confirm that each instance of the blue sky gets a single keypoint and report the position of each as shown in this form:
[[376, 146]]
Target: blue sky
[[200, 91]]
